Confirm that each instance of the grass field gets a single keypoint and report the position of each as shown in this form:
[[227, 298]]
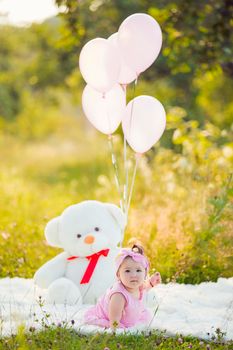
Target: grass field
[[184, 215], [60, 338]]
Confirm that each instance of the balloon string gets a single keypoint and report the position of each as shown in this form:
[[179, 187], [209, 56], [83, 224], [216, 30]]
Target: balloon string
[[125, 192], [137, 156], [114, 163], [131, 113], [126, 168], [107, 113]]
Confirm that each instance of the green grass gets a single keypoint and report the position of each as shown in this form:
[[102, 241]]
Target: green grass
[[181, 208], [62, 338], [38, 180]]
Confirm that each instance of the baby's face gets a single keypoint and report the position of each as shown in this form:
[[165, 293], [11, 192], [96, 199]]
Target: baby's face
[[131, 274]]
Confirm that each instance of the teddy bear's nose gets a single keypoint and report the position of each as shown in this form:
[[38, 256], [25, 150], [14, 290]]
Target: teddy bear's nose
[[89, 239], [78, 235]]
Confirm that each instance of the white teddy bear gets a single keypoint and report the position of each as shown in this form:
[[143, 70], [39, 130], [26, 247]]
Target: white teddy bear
[[89, 233]]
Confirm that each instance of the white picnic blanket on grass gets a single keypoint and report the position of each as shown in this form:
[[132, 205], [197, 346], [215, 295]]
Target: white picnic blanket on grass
[[196, 310]]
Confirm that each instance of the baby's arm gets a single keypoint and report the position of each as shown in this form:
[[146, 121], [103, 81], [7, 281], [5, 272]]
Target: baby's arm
[[115, 309], [152, 281]]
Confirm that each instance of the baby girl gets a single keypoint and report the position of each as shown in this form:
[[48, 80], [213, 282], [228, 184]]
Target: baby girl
[[123, 304]]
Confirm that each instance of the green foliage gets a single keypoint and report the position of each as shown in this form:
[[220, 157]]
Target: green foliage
[[50, 63], [197, 34], [215, 105], [27, 123], [9, 101], [209, 242], [9, 87], [38, 63]]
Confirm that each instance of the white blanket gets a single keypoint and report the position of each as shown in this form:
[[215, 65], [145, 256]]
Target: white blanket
[[196, 310]]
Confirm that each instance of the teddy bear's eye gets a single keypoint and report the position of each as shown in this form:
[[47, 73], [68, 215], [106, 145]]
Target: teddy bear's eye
[[97, 229]]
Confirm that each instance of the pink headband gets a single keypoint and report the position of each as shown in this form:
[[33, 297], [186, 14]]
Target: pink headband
[[135, 256]]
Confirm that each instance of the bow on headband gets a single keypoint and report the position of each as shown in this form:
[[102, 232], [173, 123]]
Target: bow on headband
[[135, 256]]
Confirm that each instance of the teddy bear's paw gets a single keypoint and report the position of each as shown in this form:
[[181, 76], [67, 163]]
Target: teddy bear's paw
[[63, 291]]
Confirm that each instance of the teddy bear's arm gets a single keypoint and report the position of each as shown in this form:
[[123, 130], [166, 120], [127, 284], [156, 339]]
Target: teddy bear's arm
[[50, 271]]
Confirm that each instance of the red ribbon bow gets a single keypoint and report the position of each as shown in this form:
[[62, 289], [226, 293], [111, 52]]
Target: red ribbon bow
[[92, 264]]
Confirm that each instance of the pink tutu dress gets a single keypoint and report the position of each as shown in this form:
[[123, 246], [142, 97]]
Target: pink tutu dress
[[134, 312]]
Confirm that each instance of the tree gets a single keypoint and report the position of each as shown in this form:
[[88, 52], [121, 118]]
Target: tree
[[197, 34]]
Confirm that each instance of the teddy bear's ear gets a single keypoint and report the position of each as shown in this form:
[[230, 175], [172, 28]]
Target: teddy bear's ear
[[52, 232], [118, 215]]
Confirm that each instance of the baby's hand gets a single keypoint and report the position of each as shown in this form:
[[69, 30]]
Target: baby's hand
[[155, 279]]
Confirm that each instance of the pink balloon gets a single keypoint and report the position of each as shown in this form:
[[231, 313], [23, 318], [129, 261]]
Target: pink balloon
[[99, 63], [104, 111], [143, 123], [140, 41], [127, 75]]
